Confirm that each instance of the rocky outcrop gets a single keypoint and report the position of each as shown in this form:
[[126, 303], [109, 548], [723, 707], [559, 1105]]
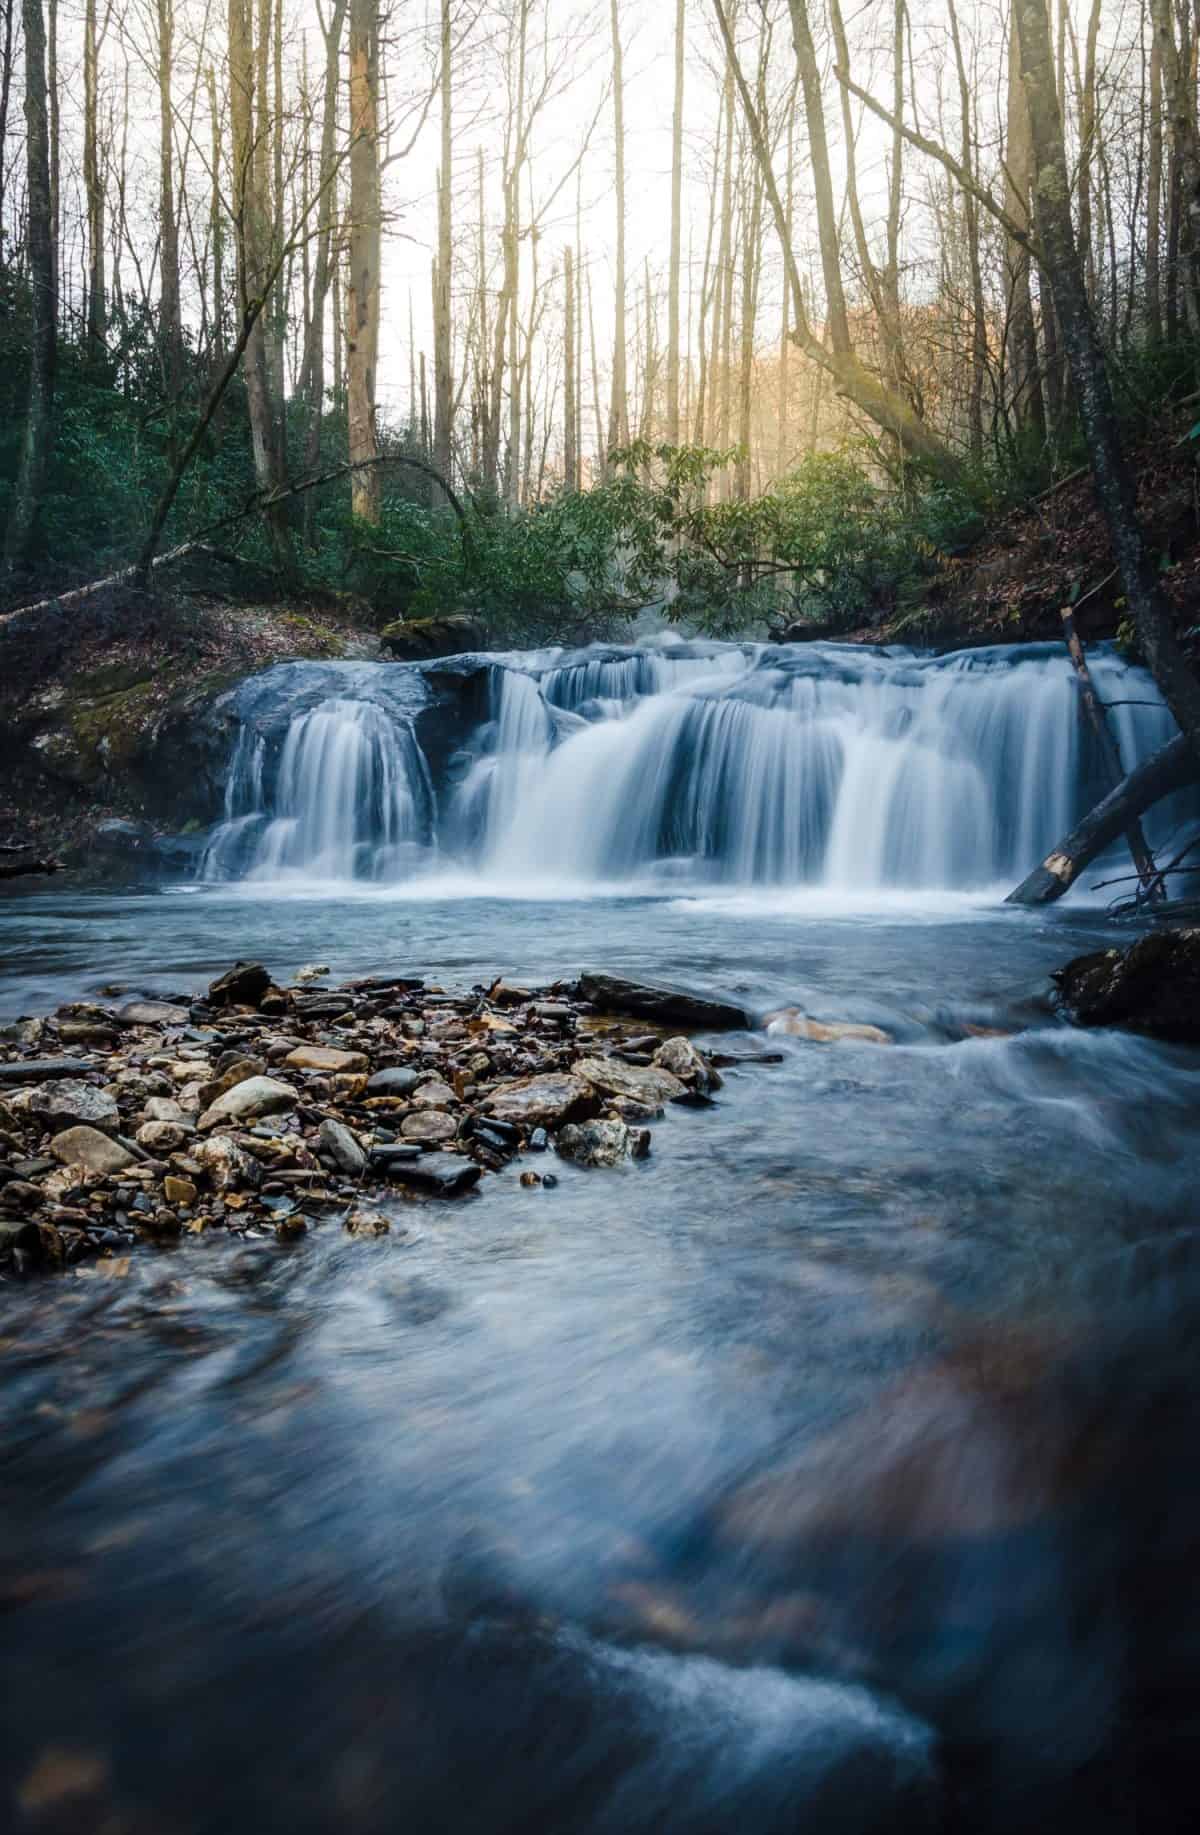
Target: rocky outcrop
[[1152, 987], [416, 640], [667, 1005]]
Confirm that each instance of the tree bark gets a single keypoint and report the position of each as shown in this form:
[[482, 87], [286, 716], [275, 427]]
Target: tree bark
[[1021, 352], [38, 431], [618, 413], [1171, 769], [443, 359], [673, 277], [93, 187], [570, 401], [169, 301], [362, 285]]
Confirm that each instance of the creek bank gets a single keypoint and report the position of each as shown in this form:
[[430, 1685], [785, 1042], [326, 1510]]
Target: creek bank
[[261, 1110]]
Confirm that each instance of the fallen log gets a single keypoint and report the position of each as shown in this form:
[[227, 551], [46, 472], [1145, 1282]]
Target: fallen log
[[27, 869], [1171, 769], [1140, 854]]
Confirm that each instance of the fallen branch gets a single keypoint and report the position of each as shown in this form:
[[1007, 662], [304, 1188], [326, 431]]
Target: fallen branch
[[1140, 853], [1170, 769]]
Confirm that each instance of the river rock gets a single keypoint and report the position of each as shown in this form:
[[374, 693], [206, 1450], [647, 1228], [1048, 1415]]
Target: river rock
[[681, 1058], [163, 1108], [335, 1139], [247, 1101], [88, 1148], [542, 1101], [602, 1143], [238, 1072], [43, 1070], [228, 1166], [790, 1023], [397, 1080], [69, 1104], [649, 1086], [443, 1175], [1152, 987], [326, 1058], [433, 1095], [152, 1013], [179, 1191], [433, 1127], [241, 986], [671, 1006]]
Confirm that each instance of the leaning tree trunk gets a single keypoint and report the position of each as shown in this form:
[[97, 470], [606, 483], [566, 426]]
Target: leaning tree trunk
[[1171, 769], [39, 426]]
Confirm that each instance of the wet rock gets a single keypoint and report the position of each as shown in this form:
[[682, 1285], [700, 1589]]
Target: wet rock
[[250, 1099], [228, 1166], [228, 1077], [398, 1080], [241, 986], [433, 1095], [443, 1175], [42, 1070], [20, 1195], [312, 971], [20, 1237], [531, 1180], [163, 1108], [543, 1101], [650, 1000], [602, 1143], [394, 1153], [683, 1060], [151, 1013], [88, 1148], [421, 639], [69, 1104], [539, 1140], [649, 1086], [1152, 987], [334, 1138], [509, 994], [790, 1023], [179, 1191], [367, 1223], [326, 1058]]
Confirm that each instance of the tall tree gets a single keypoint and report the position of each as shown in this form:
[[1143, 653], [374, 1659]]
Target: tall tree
[[618, 412], [363, 268], [443, 357], [1021, 351], [570, 386], [170, 310], [93, 186], [38, 431], [673, 279]]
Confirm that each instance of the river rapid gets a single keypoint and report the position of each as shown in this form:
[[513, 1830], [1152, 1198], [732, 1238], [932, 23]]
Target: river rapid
[[831, 1470]]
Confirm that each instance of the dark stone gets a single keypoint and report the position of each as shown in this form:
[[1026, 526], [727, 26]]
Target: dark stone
[[20, 1233], [419, 639], [393, 1154], [444, 1175], [1152, 987], [43, 1070], [396, 1081], [539, 1140], [549, 1181], [241, 986], [648, 1000]]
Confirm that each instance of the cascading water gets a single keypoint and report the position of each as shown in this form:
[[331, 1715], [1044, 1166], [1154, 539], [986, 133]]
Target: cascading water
[[732, 764]]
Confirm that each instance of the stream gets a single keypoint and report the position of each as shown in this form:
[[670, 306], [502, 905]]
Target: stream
[[832, 1470]]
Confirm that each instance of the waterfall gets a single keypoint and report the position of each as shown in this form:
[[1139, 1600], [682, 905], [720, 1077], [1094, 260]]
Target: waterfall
[[699, 763]]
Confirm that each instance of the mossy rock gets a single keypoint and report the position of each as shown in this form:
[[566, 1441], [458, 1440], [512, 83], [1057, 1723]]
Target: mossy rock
[[420, 639]]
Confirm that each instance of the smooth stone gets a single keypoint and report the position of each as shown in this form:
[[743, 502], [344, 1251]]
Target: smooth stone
[[43, 1070], [367, 1223], [539, 1101], [509, 994], [162, 1136], [250, 1099], [69, 1104], [326, 1058], [152, 1013], [650, 1000], [338, 1142], [88, 1148], [433, 1095], [649, 1086], [227, 1165], [444, 1175], [434, 1126], [163, 1108], [393, 1153], [397, 1080], [179, 1191], [602, 1143], [19, 1233], [234, 1068]]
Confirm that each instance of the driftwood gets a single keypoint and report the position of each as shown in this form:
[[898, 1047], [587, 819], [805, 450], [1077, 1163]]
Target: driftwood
[[1170, 769], [1143, 859]]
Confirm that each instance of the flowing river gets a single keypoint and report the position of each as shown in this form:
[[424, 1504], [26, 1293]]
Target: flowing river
[[831, 1470]]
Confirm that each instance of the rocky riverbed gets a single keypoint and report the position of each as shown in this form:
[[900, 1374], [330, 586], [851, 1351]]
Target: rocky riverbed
[[257, 1109]]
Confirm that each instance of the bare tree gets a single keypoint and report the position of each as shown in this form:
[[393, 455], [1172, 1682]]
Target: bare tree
[[38, 432]]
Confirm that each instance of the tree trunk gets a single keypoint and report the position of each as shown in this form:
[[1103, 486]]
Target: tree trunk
[[979, 346], [169, 307], [93, 187], [1154, 179], [570, 408], [1171, 769], [362, 284], [38, 431], [1114, 484], [313, 365], [618, 413], [673, 278], [443, 357], [1021, 352], [1140, 854]]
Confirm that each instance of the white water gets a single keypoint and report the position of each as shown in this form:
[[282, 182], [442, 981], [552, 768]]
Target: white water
[[685, 767]]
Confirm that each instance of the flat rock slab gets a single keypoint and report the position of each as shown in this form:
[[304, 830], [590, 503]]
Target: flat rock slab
[[395, 1081], [650, 1086], [88, 1148], [442, 1175], [43, 1070], [327, 1058], [539, 1102], [67, 1104], [671, 1006]]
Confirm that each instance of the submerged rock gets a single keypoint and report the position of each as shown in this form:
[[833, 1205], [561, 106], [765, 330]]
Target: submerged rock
[[683, 1060], [671, 1006], [603, 1143], [1152, 987], [152, 1013], [790, 1023]]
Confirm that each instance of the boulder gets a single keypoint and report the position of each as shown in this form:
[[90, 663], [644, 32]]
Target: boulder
[[335, 1139], [1152, 987], [543, 1101], [250, 1100], [88, 1148], [647, 1085], [670, 1006], [421, 639], [241, 986], [69, 1104], [681, 1058], [326, 1058], [228, 1166], [395, 1081], [602, 1143]]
